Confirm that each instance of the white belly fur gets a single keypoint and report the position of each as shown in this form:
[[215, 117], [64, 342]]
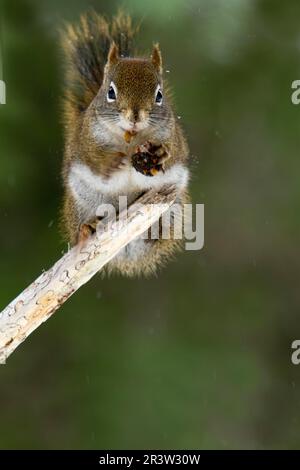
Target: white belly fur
[[90, 191]]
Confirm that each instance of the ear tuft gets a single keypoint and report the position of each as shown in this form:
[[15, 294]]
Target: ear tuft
[[113, 54], [156, 58]]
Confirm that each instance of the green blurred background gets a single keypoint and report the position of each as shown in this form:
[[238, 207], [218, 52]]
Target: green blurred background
[[198, 357]]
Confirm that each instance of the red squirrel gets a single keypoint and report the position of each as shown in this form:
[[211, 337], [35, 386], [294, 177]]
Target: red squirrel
[[116, 109]]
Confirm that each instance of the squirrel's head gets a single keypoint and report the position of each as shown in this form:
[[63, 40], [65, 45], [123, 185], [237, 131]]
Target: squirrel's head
[[132, 95]]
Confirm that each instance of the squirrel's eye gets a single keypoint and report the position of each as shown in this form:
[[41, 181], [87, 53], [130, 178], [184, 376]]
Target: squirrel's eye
[[158, 96], [112, 93]]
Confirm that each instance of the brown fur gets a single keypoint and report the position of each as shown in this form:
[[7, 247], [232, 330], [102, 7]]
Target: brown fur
[[96, 54]]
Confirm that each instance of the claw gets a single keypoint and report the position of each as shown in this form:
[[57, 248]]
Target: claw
[[122, 164]]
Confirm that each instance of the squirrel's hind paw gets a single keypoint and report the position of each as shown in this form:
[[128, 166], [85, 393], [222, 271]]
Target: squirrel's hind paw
[[86, 230]]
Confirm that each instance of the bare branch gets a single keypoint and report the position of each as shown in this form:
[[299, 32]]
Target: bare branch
[[45, 295]]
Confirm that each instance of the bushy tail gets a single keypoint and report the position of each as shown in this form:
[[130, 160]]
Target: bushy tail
[[86, 46]]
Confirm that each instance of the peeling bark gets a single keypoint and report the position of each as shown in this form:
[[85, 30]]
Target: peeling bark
[[50, 290]]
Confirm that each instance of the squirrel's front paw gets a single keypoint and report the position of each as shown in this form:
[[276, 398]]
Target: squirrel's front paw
[[149, 159], [116, 163]]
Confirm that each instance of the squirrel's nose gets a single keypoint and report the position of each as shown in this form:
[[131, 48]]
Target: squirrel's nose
[[132, 115], [135, 114]]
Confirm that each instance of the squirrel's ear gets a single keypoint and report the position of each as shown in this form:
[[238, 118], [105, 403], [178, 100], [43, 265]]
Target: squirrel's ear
[[156, 58], [113, 54]]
